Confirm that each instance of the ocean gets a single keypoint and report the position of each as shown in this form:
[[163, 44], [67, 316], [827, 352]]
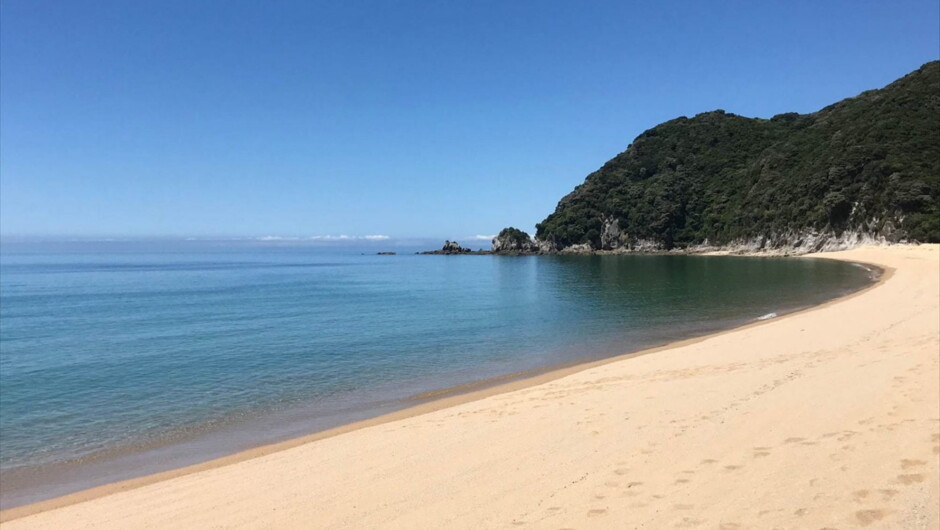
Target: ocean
[[121, 359]]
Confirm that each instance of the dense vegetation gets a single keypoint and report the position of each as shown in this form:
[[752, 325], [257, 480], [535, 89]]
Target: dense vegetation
[[869, 164]]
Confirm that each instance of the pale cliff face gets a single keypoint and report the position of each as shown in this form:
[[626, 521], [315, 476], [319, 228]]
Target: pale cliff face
[[507, 243], [790, 242]]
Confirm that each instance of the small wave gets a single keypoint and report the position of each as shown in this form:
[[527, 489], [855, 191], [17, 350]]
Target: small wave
[[768, 316], [873, 274]]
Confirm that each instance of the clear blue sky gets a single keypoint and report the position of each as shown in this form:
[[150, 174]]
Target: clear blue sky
[[429, 119]]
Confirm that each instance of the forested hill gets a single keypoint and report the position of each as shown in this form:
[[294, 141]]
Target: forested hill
[[865, 167]]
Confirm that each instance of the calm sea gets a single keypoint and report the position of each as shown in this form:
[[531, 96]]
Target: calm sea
[[120, 360]]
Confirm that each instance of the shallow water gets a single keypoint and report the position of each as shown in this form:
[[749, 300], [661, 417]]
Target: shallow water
[[118, 363]]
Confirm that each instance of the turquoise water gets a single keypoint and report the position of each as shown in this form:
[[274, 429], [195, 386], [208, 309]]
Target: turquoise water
[[121, 361]]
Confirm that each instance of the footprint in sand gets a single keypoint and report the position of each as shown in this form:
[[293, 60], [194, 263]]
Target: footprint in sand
[[860, 495], [867, 517], [597, 512], [760, 452], [907, 463], [910, 479]]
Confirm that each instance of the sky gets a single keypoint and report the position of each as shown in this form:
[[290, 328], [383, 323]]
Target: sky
[[389, 118]]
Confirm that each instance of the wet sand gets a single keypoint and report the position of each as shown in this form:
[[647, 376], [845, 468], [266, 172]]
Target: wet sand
[[828, 417]]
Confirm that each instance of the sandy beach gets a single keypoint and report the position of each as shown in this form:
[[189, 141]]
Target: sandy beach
[[826, 418]]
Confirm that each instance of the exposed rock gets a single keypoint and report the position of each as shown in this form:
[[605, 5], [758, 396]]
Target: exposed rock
[[582, 248], [611, 236], [795, 242], [789, 242], [453, 247], [514, 241], [546, 247]]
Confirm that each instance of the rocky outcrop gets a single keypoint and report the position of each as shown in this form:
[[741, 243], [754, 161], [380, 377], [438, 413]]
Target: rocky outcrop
[[581, 248], [546, 247], [611, 236], [613, 241], [514, 241], [791, 242], [454, 248], [796, 242], [451, 247]]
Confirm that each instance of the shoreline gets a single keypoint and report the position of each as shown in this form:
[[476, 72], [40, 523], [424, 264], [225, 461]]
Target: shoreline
[[435, 400]]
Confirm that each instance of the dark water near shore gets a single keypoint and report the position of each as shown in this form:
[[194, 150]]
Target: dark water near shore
[[115, 364]]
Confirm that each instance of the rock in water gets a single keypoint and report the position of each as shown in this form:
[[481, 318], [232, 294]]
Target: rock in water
[[514, 241], [453, 247]]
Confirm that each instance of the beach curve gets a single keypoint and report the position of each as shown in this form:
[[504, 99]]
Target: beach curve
[[826, 417]]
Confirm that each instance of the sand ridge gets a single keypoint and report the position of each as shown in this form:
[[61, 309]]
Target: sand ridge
[[828, 418]]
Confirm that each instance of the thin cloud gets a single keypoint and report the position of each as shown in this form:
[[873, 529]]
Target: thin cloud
[[345, 237], [341, 237], [481, 237], [278, 238]]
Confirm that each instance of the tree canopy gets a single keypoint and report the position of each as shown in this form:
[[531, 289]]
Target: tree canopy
[[869, 163]]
